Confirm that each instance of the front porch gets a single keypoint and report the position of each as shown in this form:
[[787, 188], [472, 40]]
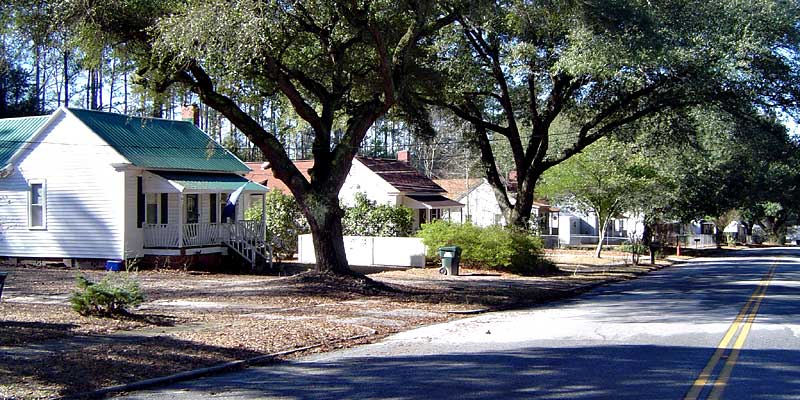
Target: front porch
[[196, 213], [429, 208]]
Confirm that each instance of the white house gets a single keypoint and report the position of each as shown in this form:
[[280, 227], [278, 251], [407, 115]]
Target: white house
[[87, 185], [481, 207], [577, 228], [384, 181]]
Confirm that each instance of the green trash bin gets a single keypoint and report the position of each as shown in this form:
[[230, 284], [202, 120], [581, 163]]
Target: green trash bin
[[451, 257]]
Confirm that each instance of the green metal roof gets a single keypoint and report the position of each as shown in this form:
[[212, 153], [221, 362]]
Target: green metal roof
[[215, 182], [160, 143], [15, 133]]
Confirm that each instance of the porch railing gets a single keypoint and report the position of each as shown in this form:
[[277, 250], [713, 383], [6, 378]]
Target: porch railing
[[200, 234], [160, 235]]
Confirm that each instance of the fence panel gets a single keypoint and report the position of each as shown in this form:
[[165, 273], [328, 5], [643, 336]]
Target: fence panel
[[369, 250]]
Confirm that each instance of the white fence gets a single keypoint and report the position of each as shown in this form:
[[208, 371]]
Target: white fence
[[579, 240], [371, 250], [697, 240]]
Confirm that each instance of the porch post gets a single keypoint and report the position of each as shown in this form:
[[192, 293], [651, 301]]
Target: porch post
[[218, 213], [263, 215], [180, 219]]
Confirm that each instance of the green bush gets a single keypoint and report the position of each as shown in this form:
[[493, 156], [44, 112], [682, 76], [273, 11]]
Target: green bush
[[113, 295], [494, 247], [284, 222], [365, 218]]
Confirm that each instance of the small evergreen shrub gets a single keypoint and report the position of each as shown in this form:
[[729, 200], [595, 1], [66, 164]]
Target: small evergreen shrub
[[636, 248], [111, 296], [495, 247]]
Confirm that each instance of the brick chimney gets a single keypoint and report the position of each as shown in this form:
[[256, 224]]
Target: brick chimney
[[512, 176], [404, 156], [191, 113]]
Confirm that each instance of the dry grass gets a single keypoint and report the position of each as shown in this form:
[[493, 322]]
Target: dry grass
[[197, 320]]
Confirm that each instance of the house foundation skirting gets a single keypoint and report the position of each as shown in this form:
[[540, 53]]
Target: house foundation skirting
[[186, 251], [194, 262], [81, 263]]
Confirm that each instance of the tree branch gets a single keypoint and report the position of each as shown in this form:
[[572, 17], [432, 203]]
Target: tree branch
[[200, 83]]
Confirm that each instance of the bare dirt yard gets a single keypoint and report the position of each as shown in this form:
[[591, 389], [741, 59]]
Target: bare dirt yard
[[193, 320]]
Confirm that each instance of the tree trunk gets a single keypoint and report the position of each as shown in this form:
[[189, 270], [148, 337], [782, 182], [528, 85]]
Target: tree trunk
[[719, 236], [601, 233], [776, 229], [125, 93], [519, 215], [66, 78], [647, 233], [38, 89], [324, 217]]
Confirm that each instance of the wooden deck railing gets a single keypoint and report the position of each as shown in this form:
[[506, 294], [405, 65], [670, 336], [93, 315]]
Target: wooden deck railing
[[201, 234], [161, 235]]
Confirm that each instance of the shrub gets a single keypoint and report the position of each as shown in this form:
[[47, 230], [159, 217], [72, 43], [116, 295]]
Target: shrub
[[113, 295], [635, 247], [494, 247], [365, 218], [284, 222]]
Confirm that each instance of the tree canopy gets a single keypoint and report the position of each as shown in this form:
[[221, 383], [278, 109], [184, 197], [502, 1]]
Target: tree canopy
[[606, 179], [550, 78]]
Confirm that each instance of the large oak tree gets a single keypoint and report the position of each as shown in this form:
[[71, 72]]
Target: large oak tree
[[546, 79], [338, 63]]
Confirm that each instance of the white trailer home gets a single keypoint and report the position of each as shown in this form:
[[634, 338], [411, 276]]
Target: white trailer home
[[83, 185]]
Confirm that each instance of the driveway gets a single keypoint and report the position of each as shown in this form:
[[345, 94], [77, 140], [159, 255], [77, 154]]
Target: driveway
[[713, 327]]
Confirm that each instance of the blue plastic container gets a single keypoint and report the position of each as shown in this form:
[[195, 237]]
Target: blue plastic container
[[3, 276], [114, 265]]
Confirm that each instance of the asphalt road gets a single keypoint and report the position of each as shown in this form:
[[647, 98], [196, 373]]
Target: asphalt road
[[712, 328]]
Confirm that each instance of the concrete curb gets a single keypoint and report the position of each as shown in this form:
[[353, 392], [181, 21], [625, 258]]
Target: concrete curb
[[197, 373]]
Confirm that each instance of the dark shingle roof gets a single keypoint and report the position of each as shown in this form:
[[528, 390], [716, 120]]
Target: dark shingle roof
[[401, 175], [16, 133], [160, 143]]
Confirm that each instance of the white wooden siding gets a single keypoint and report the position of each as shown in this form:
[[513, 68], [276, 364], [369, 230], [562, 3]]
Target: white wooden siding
[[153, 183], [134, 237], [85, 196], [481, 206], [362, 179]]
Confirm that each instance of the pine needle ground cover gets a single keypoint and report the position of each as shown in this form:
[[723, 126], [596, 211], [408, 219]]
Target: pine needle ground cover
[[190, 321]]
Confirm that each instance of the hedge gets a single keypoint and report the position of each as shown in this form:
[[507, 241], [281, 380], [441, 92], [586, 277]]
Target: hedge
[[495, 247]]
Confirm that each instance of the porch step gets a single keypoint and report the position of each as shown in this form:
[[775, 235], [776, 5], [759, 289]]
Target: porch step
[[251, 250]]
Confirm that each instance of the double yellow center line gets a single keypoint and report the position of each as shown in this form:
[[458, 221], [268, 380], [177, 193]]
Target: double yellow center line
[[741, 326]]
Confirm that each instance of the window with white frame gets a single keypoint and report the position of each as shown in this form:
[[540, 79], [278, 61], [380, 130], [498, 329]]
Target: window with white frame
[[151, 208], [37, 204], [223, 201], [192, 208], [212, 208]]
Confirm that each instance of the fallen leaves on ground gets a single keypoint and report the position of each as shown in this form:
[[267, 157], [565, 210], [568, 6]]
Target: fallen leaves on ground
[[191, 321]]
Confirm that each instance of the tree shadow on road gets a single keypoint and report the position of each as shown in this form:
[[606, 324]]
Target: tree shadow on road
[[600, 372]]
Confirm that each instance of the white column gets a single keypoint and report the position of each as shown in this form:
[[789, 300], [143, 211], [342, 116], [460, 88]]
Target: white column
[[180, 219], [263, 215]]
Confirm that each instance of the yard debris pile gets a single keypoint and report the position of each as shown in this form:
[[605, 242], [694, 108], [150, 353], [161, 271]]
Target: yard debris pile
[[191, 321]]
